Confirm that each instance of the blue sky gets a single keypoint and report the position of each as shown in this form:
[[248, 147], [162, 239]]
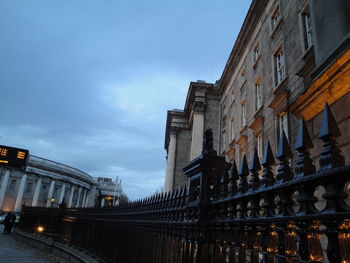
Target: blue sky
[[88, 82]]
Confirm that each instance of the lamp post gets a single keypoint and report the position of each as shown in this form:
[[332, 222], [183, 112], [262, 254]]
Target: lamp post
[[53, 200]]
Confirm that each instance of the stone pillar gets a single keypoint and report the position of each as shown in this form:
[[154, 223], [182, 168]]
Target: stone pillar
[[71, 196], [79, 196], [3, 187], [170, 168], [63, 190], [49, 196], [37, 192], [197, 129], [91, 197], [103, 202], [20, 193], [85, 197]]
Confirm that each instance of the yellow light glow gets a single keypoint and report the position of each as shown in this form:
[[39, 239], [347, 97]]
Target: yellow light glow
[[40, 229], [3, 152], [4, 161], [21, 155], [53, 200], [108, 197]]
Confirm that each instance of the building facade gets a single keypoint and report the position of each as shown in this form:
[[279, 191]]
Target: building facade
[[47, 183], [289, 59], [185, 129]]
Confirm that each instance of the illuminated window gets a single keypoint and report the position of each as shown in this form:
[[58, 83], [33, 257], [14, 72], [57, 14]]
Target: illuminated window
[[280, 68], [258, 96], [275, 18], [307, 27]]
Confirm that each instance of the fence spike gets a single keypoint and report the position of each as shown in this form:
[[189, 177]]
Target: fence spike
[[243, 174], [233, 178], [223, 185], [268, 178], [254, 168], [329, 131], [284, 172], [304, 165]]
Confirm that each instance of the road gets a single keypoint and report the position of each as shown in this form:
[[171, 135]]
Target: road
[[13, 251]]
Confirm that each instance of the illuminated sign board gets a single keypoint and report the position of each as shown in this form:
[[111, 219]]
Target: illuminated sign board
[[14, 157]]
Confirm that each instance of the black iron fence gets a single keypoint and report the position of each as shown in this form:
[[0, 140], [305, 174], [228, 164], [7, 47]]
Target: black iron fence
[[263, 212]]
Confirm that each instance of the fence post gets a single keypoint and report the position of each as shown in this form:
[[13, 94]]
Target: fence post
[[204, 173]]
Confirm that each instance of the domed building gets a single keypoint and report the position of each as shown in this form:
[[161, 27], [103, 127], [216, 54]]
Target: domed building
[[45, 183]]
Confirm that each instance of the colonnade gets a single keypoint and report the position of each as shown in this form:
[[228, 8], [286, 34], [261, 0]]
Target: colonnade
[[82, 192]]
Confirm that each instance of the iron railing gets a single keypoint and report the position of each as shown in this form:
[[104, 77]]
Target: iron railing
[[260, 213]]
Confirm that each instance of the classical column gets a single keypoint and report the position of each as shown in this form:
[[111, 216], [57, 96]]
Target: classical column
[[20, 193], [49, 196], [63, 190], [197, 129], [170, 167], [83, 198], [37, 192], [71, 196], [79, 195], [103, 202], [3, 187]]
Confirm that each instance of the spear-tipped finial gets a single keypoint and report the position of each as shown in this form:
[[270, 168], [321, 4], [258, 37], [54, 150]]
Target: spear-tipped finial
[[243, 174], [283, 150], [254, 168], [268, 178], [304, 164], [284, 172], [233, 178], [329, 131]]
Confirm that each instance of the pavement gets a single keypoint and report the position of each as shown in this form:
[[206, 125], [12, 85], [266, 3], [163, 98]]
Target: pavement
[[13, 251]]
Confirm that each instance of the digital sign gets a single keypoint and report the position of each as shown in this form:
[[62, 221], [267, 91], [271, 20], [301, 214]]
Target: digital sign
[[14, 157]]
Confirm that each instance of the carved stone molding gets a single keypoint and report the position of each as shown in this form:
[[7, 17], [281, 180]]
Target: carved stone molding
[[198, 106]]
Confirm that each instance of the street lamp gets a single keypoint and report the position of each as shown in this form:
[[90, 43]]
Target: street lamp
[[53, 200]]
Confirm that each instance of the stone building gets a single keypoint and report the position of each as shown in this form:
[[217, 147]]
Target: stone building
[[289, 59], [47, 183], [108, 192], [185, 128]]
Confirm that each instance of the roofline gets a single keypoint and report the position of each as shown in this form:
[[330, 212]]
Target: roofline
[[254, 13]]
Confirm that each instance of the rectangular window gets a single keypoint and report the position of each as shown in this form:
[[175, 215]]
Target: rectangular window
[[258, 96], [282, 125], [242, 77], [243, 115], [280, 68], [275, 18], [259, 146], [256, 53], [223, 141], [307, 27], [232, 130]]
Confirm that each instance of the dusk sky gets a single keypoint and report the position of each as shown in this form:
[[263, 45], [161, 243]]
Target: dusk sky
[[87, 83]]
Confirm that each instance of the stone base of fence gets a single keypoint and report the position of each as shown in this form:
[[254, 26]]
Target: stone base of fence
[[61, 250]]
